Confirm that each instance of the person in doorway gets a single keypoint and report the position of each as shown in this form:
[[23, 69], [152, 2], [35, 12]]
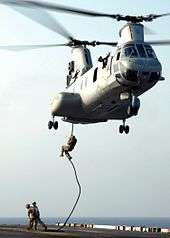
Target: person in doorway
[[38, 219], [68, 147], [31, 216]]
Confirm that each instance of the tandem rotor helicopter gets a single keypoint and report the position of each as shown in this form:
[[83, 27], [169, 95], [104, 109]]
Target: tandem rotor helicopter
[[109, 90]]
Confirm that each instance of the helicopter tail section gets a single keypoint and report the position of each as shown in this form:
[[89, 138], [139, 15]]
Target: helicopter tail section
[[66, 104]]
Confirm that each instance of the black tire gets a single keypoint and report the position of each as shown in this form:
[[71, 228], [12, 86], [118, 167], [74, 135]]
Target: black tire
[[132, 111], [126, 129], [50, 125], [135, 111], [121, 129], [55, 125]]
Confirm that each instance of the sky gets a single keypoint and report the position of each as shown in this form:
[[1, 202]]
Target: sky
[[121, 175]]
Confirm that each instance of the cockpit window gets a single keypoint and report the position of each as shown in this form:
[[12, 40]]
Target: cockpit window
[[150, 52], [130, 51], [138, 50], [141, 50]]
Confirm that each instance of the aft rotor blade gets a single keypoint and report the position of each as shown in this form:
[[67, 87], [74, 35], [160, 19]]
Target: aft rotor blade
[[159, 42], [42, 17], [55, 7], [28, 47], [75, 42], [106, 43]]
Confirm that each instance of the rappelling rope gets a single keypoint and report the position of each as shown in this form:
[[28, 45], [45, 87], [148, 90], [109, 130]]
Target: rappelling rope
[[72, 129], [79, 187]]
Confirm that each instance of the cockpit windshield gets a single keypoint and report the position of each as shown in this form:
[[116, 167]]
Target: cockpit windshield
[[138, 50], [130, 51], [150, 52], [141, 50]]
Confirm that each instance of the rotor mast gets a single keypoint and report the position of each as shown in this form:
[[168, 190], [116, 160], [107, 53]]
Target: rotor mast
[[131, 32]]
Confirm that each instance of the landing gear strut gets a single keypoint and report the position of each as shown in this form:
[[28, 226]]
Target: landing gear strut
[[53, 124], [124, 128], [134, 107]]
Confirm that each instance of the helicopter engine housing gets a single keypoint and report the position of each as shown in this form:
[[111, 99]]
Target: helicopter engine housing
[[82, 59]]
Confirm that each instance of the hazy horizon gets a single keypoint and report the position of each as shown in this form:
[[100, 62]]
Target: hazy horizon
[[120, 175]]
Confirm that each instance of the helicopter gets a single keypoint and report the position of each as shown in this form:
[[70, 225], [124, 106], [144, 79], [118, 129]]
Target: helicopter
[[110, 89]]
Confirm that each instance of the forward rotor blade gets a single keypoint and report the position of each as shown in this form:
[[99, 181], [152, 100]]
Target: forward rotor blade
[[55, 7], [149, 31], [28, 47], [62, 8], [159, 42], [42, 17], [154, 16]]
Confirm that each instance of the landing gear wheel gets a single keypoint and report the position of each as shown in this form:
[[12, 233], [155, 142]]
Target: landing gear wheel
[[50, 125], [55, 125], [121, 129], [126, 129], [135, 111]]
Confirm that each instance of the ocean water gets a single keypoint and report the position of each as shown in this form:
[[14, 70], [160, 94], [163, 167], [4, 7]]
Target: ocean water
[[163, 222]]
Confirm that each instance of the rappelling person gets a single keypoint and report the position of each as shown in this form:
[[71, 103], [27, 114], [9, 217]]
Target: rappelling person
[[104, 60], [68, 147]]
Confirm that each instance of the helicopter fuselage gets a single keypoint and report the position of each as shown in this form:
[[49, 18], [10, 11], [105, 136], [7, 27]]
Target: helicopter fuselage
[[105, 92], [109, 90]]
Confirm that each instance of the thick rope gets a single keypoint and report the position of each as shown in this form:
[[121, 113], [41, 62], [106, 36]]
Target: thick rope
[[72, 129], [79, 187]]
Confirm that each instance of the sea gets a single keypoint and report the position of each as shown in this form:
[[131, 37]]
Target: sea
[[162, 222]]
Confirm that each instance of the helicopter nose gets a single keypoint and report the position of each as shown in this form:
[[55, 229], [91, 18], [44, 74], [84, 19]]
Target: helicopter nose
[[137, 71], [137, 77]]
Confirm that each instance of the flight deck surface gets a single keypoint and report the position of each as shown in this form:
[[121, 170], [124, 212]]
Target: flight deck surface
[[73, 232]]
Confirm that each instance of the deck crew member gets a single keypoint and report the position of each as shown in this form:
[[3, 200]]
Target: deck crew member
[[38, 219], [31, 216]]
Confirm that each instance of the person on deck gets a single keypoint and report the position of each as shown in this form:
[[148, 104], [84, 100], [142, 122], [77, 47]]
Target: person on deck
[[38, 219], [31, 216]]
